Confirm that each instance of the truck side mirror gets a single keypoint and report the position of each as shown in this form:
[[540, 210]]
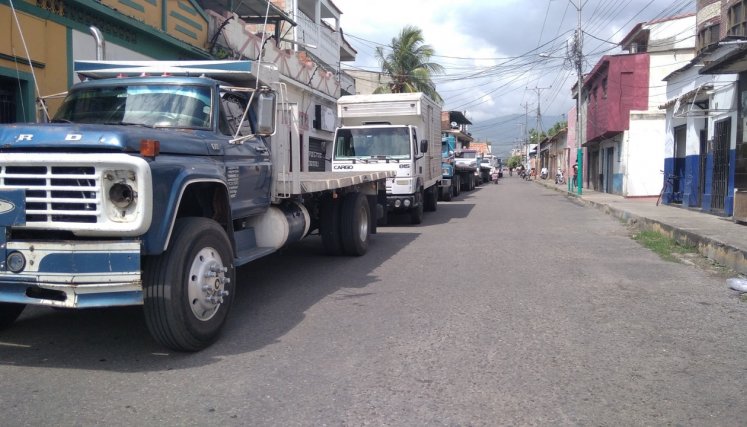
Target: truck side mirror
[[423, 145], [266, 107]]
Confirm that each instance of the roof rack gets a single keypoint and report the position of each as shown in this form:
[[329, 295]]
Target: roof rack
[[240, 73]]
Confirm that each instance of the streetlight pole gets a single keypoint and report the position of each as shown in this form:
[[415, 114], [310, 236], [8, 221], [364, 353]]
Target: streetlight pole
[[578, 57]]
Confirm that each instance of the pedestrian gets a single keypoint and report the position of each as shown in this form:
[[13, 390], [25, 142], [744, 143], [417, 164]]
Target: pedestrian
[[575, 174]]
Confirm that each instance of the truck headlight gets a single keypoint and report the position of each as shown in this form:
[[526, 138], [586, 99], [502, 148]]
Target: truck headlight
[[122, 195], [16, 262], [122, 198]]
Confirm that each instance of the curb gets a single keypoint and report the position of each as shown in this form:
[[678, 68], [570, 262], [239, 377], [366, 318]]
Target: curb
[[724, 254]]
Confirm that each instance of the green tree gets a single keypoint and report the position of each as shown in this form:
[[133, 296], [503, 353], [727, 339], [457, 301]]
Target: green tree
[[408, 65], [513, 162], [557, 127], [535, 137]]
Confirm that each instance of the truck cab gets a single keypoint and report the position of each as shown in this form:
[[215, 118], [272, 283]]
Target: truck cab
[[378, 146], [152, 183]]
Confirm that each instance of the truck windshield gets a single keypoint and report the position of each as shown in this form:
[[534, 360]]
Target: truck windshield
[[356, 143], [467, 155], [168, 106]]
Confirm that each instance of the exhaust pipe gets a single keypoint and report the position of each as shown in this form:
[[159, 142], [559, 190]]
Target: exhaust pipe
[[100, 43]]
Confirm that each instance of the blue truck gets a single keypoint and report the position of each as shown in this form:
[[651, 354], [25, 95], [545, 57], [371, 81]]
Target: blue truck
[[449, 181], [152, 183]]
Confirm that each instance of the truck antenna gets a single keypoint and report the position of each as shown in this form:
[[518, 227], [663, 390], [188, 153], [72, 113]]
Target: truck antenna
[[259, 69], [30, 62]]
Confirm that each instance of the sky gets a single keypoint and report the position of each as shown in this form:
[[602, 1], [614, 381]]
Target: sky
[[501, 57]]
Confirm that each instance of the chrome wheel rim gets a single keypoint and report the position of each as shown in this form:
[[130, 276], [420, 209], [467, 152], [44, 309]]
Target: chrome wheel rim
[[207, 282]]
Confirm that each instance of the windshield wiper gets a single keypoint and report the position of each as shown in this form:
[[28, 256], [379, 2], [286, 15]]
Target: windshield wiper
[[61, 121], [386, 157]]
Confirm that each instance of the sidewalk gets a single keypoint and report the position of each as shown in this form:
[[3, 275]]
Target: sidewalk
[[718, 238]]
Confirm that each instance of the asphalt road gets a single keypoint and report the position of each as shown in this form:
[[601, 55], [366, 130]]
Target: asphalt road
[[511, 305]]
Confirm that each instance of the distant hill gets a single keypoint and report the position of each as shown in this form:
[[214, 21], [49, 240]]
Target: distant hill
[[504, 132]]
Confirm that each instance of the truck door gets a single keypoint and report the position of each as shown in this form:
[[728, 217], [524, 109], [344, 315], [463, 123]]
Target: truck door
[[248, 165], [418, 161]]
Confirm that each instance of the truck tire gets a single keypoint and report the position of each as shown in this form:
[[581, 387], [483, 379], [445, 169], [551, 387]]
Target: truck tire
[[329, 226], [190, 287], [446, 193], [9, 312], [431, 199], [416, 213], [354, 231], [466, 183], [457, 185]]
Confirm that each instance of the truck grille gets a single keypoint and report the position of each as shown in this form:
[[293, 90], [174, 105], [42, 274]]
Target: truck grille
[[56, 194]]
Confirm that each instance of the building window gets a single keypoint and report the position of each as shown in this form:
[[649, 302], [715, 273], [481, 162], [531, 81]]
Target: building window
[[708, 37], [736, 18], [604, 88]]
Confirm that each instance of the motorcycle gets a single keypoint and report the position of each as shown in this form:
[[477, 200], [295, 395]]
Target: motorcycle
[[559, 178]]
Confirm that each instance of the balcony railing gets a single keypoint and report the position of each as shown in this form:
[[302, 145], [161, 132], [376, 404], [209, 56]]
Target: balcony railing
[[320, 40]]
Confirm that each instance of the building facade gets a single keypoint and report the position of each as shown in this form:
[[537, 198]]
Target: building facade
[[622, 126], [722, 40], [40, 39]]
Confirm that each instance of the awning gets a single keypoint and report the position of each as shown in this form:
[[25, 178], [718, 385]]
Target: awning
[[695, 103], [733, 62], [688, 96]]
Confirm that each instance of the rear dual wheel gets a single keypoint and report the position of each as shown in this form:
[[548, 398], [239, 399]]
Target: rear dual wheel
[[344, 225]]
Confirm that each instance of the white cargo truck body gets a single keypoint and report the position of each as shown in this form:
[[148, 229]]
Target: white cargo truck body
[[399, 132]]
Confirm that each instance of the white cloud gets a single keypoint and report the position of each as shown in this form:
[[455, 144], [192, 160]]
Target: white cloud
[[485, 33]]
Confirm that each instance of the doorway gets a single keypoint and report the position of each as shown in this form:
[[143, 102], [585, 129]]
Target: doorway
[[8, 100], [721, 140]]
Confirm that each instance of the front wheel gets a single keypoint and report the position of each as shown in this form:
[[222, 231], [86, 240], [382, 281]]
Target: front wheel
[[431, 199], [190, 287], [416, 213], [9, 312]]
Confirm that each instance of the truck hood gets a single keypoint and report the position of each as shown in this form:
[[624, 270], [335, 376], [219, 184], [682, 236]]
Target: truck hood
[[67, 136]]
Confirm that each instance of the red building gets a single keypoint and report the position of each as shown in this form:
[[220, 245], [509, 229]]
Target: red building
[[616, 85]]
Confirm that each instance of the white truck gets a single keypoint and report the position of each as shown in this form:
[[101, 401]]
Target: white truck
[[398, 132]]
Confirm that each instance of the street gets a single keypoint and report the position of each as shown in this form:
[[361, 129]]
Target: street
[[511, 305]]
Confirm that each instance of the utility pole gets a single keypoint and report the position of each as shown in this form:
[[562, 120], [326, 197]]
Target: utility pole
[[525, 134], [537, 162], [578, 58]]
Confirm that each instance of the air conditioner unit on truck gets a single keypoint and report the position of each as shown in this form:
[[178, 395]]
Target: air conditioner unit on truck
[[399, 132], [152, 190]]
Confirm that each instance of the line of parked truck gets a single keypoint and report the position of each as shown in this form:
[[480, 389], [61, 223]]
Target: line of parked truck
[[155, 180]]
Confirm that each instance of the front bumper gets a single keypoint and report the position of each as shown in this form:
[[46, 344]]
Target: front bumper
[[73, 274], [400, 202]]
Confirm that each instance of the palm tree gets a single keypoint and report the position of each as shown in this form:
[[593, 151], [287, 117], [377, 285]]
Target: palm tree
[[408, 65]]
